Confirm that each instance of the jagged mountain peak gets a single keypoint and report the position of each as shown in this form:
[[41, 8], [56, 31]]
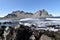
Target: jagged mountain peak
[[23, 14], [18, 11]]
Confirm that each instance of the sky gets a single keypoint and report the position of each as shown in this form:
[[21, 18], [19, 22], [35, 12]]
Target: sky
[[51, 6]]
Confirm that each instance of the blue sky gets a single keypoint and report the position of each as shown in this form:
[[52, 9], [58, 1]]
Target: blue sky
[[7, 6]]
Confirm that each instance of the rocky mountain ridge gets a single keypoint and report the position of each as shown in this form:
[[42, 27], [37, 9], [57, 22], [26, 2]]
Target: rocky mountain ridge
[[21, 14]]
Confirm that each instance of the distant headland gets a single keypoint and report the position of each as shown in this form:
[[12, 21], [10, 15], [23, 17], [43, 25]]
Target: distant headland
[[21, 14]]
